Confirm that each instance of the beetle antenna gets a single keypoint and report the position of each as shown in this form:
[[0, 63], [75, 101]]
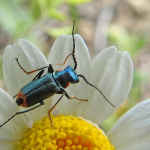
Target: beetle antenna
[[80, 75], [22, 112], [73, 53]]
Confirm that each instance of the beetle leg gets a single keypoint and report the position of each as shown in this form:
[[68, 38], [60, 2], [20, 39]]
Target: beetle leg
[[50, 69], [30, 71], [22, 112], [41, 103], [65, 60], [72, 97], [15, 96], [38, 75], [53, 108]]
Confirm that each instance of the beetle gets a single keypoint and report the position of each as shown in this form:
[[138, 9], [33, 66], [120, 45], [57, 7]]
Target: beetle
[[54, 82]]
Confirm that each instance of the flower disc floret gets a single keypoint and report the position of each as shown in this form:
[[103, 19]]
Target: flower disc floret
[[67, 133]]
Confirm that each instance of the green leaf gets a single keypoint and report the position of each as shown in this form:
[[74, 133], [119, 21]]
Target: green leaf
[[56, 14], [75, 2], [55, 32], [131, 42], [54, 3], [35, 9]]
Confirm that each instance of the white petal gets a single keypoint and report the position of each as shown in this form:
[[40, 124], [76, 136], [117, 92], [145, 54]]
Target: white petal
[[30, 58], [132, 130], [13, 129], [112, 73], [6, 145], [61, 49]]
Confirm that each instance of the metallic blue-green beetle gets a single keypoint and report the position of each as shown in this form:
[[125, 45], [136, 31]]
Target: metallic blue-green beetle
[[54, 82]]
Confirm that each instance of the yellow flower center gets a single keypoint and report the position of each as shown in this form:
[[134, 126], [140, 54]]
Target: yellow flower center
[[68, 133]]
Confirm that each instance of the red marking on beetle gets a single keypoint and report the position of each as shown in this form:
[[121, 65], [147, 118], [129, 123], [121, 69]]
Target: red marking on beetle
[[23, 96], [59, 70], [67, 84]]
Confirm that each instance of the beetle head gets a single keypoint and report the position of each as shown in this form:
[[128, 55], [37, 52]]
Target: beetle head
[[72, 74]]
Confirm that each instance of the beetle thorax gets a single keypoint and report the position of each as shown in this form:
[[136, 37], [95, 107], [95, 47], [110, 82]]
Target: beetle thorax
[[65, 77]]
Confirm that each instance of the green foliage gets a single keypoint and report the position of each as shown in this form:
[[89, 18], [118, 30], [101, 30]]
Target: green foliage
[[46, 8], [18, 17], [75, 2], [57, 15], [108, 123], [27, 18], [125, 41], [14, 19], [55, 32], [35, 10]]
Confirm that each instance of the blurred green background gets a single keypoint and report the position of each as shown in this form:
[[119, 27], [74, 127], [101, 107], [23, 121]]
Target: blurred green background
[[101, 23]]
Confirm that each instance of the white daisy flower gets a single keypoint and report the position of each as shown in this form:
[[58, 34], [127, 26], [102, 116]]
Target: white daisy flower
[[111, 71]]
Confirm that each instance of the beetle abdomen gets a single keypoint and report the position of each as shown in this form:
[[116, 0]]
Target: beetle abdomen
[[38, 90]]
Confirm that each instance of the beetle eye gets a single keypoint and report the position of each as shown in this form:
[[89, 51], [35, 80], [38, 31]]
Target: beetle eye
[[74, 78]]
